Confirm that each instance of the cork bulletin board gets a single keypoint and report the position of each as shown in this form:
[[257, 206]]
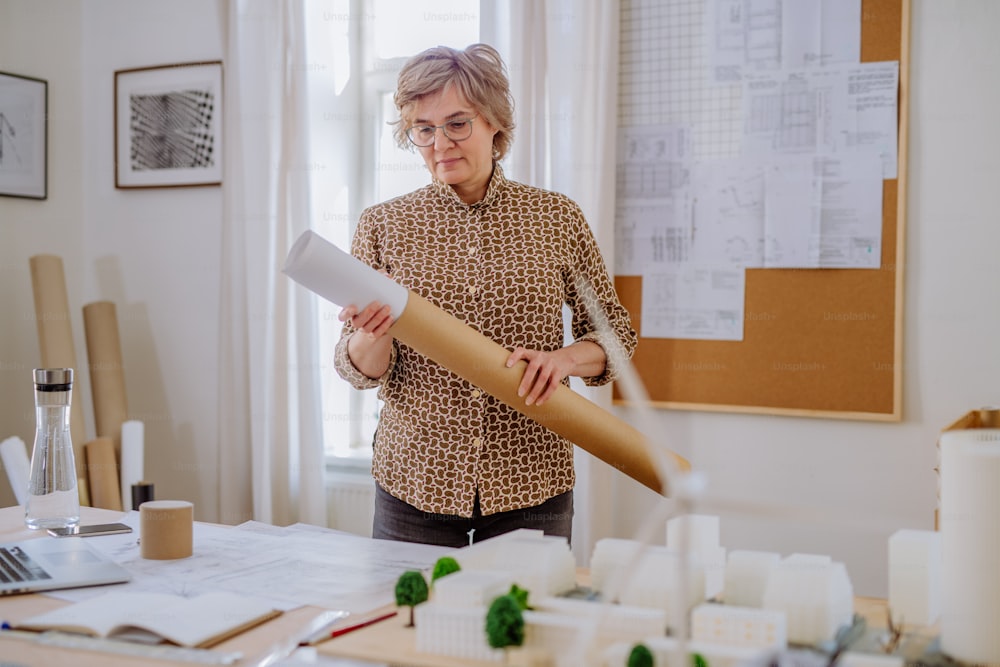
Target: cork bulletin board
[[817, 342]]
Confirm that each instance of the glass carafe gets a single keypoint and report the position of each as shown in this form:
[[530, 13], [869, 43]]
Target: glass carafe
[[53, 499]]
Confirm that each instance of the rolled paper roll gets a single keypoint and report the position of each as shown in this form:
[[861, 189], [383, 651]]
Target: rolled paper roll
[[107, 375], [55, 341], [166, 529], [132, 458], [142, 492], [344, 280], [14, 455], [102, 473], [970, 542]]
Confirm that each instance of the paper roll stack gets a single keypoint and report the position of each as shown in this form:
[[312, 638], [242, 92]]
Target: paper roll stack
[[55, 340], [970, 544], [342, 279]]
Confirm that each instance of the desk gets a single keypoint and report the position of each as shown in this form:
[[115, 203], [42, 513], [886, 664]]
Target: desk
[[387, 641]]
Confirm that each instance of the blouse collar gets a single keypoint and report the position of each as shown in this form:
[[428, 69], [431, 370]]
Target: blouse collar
[[497, 183]]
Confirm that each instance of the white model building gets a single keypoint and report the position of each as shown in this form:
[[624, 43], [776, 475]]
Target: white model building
[[554, 625], [541, 564], [651, 579], [745, 627], [665, 652], [915, 576], [815, 593], [453, 621], [700, 533], [746, 576]]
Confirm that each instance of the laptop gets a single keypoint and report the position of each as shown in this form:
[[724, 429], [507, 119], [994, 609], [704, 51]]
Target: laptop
[[52, 563]]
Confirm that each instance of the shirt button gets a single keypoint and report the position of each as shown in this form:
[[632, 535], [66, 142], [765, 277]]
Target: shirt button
[[472, 289], [472, 250], [476, 393], [478, 442]]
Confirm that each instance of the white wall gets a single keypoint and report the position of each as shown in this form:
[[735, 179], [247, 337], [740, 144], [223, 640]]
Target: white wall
[[43, 42], [155, 253]]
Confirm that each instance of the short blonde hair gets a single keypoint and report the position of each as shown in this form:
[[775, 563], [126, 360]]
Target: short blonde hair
[[478, 73]]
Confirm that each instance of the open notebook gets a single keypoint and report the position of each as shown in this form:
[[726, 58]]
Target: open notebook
[[50, 563], [201, 621]]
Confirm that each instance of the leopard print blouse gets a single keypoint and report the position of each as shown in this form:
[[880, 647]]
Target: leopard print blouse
[[505, 265]]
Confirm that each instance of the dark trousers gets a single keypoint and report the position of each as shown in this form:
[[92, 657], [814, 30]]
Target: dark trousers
[[397, 520]]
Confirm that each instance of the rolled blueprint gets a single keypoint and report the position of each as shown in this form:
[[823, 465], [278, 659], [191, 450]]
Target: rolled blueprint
[[14, 455], [102, 471], [55, 341], [133, 457], [107, 375], [344, 280], [970, 542]]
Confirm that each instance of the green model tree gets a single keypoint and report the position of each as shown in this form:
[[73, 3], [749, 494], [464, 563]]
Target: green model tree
[[411, 590], [504, 623], [640, 656], [520, 595], [445, 565]]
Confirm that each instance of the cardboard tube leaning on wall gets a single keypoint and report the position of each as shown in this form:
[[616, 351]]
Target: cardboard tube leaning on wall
[[102, 472], [344, 280], [107, 376], [55, 341]]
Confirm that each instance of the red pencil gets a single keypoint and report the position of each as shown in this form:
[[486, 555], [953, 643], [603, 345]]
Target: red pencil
[[361, 624]]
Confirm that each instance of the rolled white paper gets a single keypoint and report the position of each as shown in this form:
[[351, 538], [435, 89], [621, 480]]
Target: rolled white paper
[[15, 461], [339, 277], [970, 542], [133, 458]]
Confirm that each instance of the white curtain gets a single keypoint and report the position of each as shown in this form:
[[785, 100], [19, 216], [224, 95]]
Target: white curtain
[[562, 57], [270, 429]]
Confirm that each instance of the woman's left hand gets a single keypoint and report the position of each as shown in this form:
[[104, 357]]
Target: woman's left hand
[[543, 375]]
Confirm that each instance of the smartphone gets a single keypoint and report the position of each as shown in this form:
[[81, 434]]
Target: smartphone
[[88, 531]]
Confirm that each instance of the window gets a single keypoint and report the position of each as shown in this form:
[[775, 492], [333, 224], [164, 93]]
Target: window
[[356, 49]]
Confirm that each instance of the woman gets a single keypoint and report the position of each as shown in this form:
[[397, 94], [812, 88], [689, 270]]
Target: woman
[[452, 463]]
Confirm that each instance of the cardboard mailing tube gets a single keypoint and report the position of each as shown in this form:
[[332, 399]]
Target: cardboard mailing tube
[[102, 472], [463, 350], [107, 376], [55, 341], [326, 270]]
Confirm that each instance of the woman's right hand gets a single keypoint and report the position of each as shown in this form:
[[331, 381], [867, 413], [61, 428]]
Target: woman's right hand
[[375, 319], [369, 348]]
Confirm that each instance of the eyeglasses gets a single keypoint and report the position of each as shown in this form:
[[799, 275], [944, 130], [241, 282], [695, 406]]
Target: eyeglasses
[[459, 129]]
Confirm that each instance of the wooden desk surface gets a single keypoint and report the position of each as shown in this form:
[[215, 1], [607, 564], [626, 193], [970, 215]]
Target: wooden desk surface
[[388, 641], [256, 642]]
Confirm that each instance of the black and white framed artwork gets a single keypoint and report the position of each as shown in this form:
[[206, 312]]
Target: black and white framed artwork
[[23, 136], [168, 126]]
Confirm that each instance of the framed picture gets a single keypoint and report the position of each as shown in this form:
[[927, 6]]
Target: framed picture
[[23, 136], [168, 126]]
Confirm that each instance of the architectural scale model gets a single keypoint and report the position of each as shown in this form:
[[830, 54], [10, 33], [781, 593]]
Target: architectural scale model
[[735, 609]]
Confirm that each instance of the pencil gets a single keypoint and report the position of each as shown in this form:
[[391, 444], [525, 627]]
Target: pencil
[[361, 624]]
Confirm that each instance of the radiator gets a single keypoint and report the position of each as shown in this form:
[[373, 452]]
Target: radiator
[[351, 501]]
